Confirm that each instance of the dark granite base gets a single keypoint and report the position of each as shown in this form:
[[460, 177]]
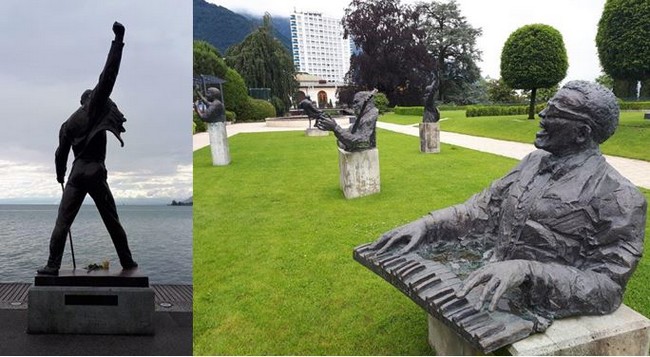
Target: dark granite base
[[98, 278]]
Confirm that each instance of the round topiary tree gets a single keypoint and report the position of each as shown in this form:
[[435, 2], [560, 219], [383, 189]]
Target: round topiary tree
[[534, 57], [623, 42]]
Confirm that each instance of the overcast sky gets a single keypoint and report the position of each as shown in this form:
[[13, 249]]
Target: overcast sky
[[577, 20], [53, 50]]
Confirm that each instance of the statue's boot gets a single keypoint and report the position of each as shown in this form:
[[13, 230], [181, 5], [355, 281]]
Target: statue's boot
[[48, 270], [130, 265]]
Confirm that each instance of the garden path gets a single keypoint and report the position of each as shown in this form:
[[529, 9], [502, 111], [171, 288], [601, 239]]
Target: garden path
[[637, 171]]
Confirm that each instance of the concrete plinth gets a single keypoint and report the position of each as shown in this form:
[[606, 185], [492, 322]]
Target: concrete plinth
[[97, 302], [219, 143], [316, 132], [359, 172], [429, 137], [623, 332]]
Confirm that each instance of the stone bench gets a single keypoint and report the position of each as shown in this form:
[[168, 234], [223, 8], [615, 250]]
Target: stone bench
[[623, 332]]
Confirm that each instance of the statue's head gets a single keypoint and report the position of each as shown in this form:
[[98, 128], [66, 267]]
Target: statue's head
[[85, 96], [363, 100], [579, 112], [212, 94]]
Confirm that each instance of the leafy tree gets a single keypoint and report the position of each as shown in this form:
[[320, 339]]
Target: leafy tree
[[543, 94], [393, 57], [623, 42], [264, 62], [606, 81], [534, 57], [499, 92], [345, 94], [207, 60], [452, 42]]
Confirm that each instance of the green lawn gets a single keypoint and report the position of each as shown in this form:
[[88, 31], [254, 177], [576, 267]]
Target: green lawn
[[630, 140], [273, 240]]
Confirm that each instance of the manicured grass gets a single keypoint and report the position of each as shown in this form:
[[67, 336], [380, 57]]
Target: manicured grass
[[273, 240], [630, 140]]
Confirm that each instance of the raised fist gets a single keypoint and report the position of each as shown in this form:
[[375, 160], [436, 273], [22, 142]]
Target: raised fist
[[118, 30]]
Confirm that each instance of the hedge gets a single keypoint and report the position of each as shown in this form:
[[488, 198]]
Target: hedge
[[419, 111], [634, 105], [498, 110]]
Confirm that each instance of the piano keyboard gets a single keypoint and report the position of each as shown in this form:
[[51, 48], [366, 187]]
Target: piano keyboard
[[433, 285]]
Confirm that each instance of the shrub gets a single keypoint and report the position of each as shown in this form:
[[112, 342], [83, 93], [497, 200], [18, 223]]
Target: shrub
[[278, 104], [235, 92], [231, 116], [498, 110], [257, 110], [199, 124], [381, 102]]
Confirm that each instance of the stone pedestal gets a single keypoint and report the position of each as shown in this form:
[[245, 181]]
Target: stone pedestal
[[219, 143], [316, 132], [359, 172], [623, 332], [97, 302], [429, 137]]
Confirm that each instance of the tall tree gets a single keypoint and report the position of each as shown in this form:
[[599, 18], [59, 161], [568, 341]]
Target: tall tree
[[264, 62], [623, 42], [451, 40], [499, 92], [534, 57], [393, 56], [605, 80]]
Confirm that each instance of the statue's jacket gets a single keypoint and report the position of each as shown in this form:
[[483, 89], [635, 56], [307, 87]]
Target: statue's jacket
[[85, 130], [578, 222]]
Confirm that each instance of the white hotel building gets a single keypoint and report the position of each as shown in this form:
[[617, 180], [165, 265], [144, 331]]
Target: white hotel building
[[318, 46]]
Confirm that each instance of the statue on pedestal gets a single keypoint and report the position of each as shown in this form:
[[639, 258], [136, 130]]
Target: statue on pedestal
[[560, 235], [209, 108], [431, 113], [85, 133], [361, 135]]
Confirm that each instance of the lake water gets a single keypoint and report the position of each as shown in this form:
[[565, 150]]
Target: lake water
[[160, 238]]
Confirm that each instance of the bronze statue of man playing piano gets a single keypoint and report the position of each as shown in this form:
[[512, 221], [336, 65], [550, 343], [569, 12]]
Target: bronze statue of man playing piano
[[563, 231]]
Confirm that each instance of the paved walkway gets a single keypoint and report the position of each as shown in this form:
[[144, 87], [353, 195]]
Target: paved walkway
[[637, 171]]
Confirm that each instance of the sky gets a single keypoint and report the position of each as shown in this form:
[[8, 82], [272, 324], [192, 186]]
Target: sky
[[577, 21], [52, 51]]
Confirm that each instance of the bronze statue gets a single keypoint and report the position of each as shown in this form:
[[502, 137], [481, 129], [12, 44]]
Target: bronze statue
[[431, 113], [309, 107], [213, 110], [85, 133], [560, 235], [361, 135]]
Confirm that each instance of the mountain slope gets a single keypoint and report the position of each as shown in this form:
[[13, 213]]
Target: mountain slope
[[223, 28]]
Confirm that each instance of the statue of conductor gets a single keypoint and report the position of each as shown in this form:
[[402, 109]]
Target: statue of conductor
[[85, 133]]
